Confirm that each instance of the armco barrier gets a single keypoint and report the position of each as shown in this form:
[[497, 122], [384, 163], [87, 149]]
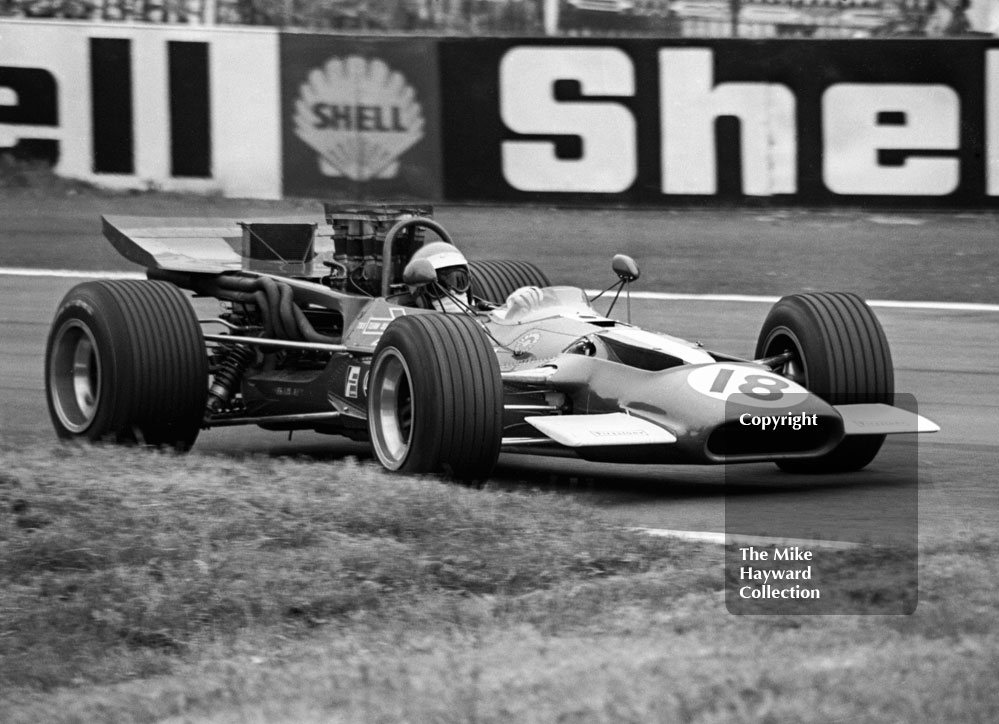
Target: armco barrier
[[257, 112]]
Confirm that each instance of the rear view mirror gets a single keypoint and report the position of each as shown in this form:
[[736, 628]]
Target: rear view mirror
[[625, 268]]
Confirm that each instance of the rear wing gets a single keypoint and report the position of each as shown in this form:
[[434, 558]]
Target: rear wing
[[283, 245]]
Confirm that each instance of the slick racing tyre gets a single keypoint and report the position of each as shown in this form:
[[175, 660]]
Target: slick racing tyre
[[125, 362], [435, 398], [840, 353], [493, 281]]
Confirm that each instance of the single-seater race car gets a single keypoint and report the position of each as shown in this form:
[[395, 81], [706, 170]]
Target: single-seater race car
[[369, 323]]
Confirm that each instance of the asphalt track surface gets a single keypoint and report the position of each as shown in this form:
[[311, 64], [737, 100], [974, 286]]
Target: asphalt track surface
[[945, 357]]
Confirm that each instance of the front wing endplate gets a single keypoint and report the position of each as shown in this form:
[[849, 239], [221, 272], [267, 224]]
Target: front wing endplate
[[877, 419], [615, 428]]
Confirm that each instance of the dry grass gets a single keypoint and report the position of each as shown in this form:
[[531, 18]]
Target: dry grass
[[140, 586], [111, 554]]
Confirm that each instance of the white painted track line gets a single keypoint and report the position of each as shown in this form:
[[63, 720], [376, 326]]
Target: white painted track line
[[753, 540], [654, 296], [68, 273], [751, 299]]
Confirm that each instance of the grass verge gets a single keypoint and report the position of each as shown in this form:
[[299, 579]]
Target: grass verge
[[37, 177], [142, 586]]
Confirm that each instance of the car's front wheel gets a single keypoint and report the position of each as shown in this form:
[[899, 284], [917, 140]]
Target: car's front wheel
[[125, 362], [837, 349], [435, 398]]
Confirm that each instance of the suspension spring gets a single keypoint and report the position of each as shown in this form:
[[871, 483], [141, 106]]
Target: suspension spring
[[231, 368]]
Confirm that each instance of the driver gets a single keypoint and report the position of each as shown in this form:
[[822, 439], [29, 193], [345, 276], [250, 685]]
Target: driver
[[452, 289]]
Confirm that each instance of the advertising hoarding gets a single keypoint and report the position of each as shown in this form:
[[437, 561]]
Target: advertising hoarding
[[678, 122], [360, 117]]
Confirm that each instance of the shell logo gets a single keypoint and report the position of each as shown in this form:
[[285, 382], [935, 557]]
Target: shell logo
[[359, 116]]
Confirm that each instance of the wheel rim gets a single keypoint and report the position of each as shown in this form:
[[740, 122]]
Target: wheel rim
[[391, 410], [75, 377], [782, 340]]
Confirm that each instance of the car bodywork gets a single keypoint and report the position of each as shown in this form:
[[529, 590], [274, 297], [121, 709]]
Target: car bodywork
[[306, 302]]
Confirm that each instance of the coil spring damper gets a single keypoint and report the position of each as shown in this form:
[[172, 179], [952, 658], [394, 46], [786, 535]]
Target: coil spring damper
[[237, 358]]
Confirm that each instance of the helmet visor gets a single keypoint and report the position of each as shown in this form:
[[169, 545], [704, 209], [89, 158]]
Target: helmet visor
[[455, 279]]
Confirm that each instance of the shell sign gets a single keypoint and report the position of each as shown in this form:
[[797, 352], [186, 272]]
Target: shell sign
[[356, 123], [362, 139]]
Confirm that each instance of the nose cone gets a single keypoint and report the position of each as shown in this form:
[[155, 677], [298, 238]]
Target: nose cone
[[728, 412]]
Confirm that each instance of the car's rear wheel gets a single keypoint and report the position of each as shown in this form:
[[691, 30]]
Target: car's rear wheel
[[493, 281], [435, 398], [837, 350], [125, 362]]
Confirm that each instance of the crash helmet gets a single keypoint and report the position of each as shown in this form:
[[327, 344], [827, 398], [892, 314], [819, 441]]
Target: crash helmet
[[453, 278]]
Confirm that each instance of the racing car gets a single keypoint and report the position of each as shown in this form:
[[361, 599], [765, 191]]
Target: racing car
[[368, 322]]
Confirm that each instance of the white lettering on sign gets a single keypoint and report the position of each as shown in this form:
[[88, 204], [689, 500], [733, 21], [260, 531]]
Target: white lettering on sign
[[690, 104], [992, 122], [609, 159], [881, 139], [862, 120], [8, 97]]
